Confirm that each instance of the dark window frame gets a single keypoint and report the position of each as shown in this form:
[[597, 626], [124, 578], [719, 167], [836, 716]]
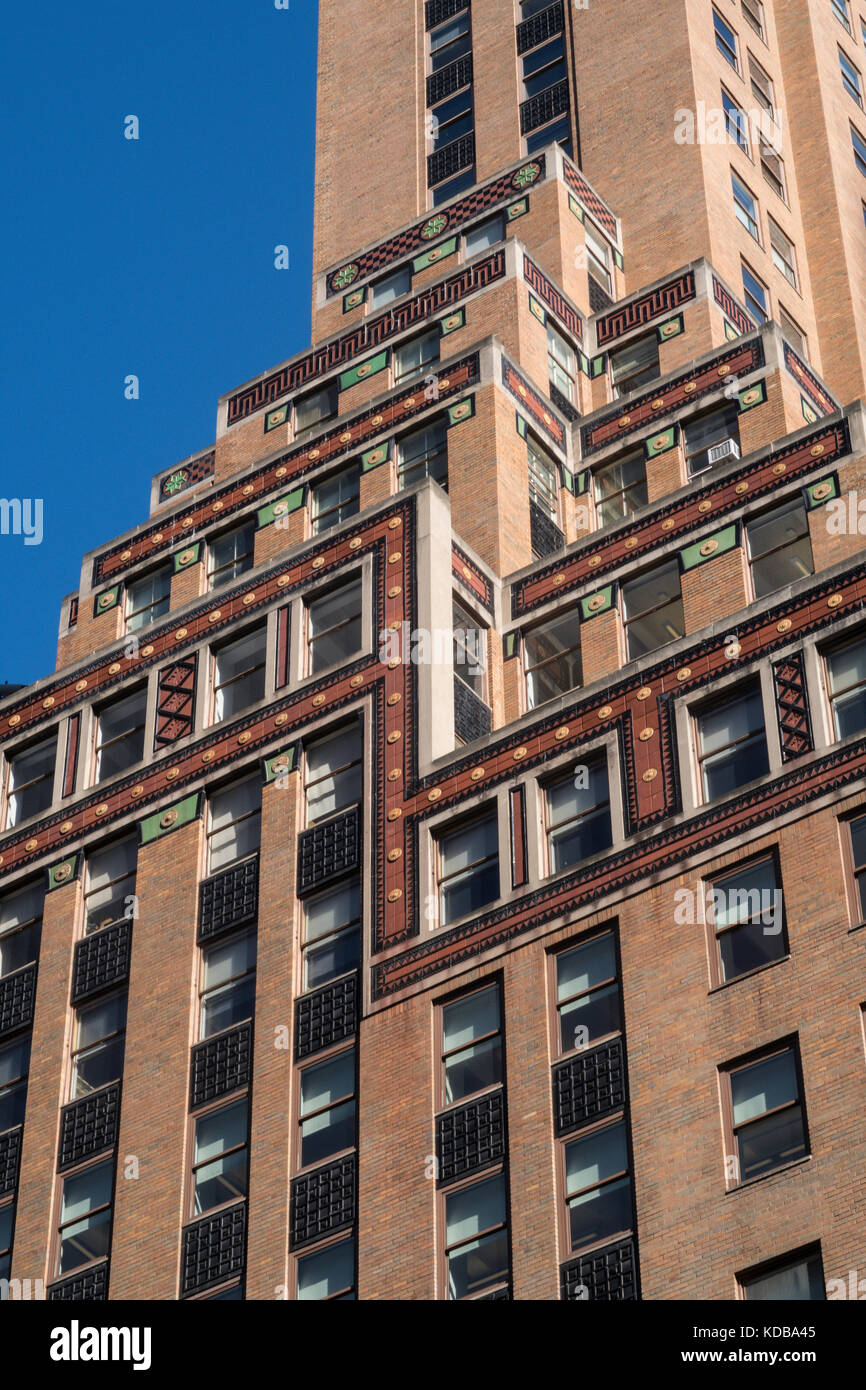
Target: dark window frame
[[790, 1044]]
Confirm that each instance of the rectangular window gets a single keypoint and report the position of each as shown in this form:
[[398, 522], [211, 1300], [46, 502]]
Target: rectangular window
[[334, 626], [544, 67], [332, 933], [857, 832], [542, 478], [148, 598], [450, 41], [558, 132], [327, 1108], [315, 407], [744, 912], [109, 885], [587, 994], [14, 1069], [598, 256], [451, 119], [476, 1238], [620, 488], [561, 364], [471, 1044], [779, 547], [416, 355], [754, 12], [846, 672], [219, 1165], [423, 454], [470, 649], [227, 986], [772, 168], [120, 734], [336, 499], [391, 287], [851, 78], [840, 10], [755, 294], [635, 365], [708, 433], [20, 928], [239, 673], [333, 772], [598, 1186], [230, 556], [30, 781], [443, 191], [732, 742], [791, 1280], [484, 235], [468, 868], [767, 1116], [745, 207], [783, 253], [551, 655], [859, 145], [98, 1045], [85, 1216], [762, 86], [328, 1273], [234, 823], [577, 816], [726, 40], [652, 608], [736, 121]]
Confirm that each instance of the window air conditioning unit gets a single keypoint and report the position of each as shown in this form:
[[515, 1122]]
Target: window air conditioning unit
[[728, 449]]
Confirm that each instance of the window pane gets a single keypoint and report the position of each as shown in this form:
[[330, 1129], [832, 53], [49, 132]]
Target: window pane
[[552, 655], [486, 234], [391, 287], [84, 1191], [767, 1143], [800, 1281], [735, 719], [472, 1017], [474, 1209], [19, 948], [763, 1086], [327, 1272], [416, 354], [221, 1130], [98, 1067], [584, 967], [328, 1133], [228, 1006], [121, 735], [597, 1215], [100, 1020], [234, 823], [333, 773], [31, 781], [475, 1266], [25, 905], [223, 963], [591, 1160], [464, 847], [84, 1241], [653, 610], [333, 958], [473, 1069], [590, 1017], [328, 912], [240, 674], [329, 1081], [336, 499]]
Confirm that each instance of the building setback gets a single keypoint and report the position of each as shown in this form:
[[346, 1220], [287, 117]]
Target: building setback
[[436, 867]]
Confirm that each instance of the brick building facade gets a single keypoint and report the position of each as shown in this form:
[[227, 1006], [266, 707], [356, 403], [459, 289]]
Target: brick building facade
[[436, 867]]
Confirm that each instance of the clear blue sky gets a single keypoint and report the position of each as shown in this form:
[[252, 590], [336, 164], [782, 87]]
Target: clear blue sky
[[152, 257]]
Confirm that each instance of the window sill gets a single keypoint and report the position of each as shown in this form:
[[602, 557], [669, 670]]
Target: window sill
[[749, 974], [763, 1177]]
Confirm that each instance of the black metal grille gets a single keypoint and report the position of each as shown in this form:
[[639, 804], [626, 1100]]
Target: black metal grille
[[543, 107], [229, 899], [472, 718], [460, 154], [598, 299], [221, 1064], [90, 1286], [10, 1158], [544, 534], [563, 404], [327, 1016], [541, 26], [590, 1085], [329, 850], [443, 83], [17, 998], [437, 11], [213, 1249], [608, 1275], [323, 1201], [471, 1137], [88, 1126], [101, 960]]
